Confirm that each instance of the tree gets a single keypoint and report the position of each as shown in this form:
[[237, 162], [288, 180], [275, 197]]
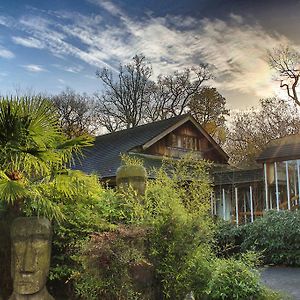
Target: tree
[[173, 93], [76, 112], [208, 107], [251, 130], [34, 157], [133, 98], [125, 97], [286, 62]]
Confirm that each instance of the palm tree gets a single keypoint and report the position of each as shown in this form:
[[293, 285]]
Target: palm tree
[[35, 157]]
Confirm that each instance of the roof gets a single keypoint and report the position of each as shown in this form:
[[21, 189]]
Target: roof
[[234, 176], [104, 157], [285, 148]]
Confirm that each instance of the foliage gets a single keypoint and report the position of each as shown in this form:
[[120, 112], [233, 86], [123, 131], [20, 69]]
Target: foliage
[[158, 246], [88, 214], [131, 160], [208, 107], [177, 201], [34, 155], [109, 258], [232, 279], [276, 236]]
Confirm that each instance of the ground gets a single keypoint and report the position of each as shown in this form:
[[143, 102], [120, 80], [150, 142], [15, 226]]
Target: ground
[[283, 279]]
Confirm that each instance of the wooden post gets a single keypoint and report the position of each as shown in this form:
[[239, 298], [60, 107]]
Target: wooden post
[[266, 186], [236, 206], [276, 186], [251, 204], [224, 204], [288, 184]]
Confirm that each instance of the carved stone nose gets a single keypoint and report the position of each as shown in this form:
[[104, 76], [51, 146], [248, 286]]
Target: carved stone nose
[[28, 263]]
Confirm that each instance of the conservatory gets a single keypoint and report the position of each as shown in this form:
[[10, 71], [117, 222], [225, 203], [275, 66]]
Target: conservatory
[[241, 195], [281, 163]]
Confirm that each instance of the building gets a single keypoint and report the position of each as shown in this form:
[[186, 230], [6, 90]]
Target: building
[[240, 195], [172, 137]]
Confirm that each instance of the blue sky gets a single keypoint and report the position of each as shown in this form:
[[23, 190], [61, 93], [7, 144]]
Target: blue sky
[[46, 46]]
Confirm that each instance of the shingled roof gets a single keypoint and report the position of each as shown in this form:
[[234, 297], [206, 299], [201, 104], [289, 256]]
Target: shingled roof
[[104, 157], [285, 148]]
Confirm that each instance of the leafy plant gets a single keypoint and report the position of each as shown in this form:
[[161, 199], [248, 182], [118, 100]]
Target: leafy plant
[[34, 156], [232, 279], [276, 235]]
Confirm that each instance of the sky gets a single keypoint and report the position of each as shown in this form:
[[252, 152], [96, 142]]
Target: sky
[[46, 46]]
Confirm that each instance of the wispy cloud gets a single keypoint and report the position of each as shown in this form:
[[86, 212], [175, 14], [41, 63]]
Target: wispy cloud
[[61, 81], [4, 53], [29, 42], [34, 68], [236, 49], [70, 69]]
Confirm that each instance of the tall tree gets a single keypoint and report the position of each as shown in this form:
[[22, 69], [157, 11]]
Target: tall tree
[[126, 95], [132, 98], [173, 93], [251, 130], [208, 107], [76, 112], [286, 62]]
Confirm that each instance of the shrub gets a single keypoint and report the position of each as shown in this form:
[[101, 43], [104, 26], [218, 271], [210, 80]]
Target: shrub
[[86, 215], [232, 279], [276, 235], [109, 260]]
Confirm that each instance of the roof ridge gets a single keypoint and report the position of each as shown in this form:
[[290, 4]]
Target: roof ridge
[[144, 125]]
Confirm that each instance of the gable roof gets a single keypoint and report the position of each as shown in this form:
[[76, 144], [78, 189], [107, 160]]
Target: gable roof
[[284, 148], [104, 157]]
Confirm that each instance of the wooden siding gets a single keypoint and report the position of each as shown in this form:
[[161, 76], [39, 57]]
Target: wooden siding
[[182, 140]]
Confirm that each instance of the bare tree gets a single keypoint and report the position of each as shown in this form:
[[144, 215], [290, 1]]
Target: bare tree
[[173, 92], [76, 112], [251, 130], [126, 95], [286, 61]]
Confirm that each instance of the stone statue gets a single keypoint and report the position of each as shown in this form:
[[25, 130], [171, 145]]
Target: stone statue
[[134, 176], [30, 259]]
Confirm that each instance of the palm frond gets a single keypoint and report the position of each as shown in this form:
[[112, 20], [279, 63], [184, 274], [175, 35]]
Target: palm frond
[[11, 190]]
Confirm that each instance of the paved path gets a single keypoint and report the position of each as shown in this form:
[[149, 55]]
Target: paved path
[[283, 279]]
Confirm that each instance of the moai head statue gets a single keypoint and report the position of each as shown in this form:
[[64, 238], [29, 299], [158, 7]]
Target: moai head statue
[[134, 176], [30, 258]]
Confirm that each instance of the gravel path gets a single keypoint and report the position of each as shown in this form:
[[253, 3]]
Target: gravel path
[[283, 279]]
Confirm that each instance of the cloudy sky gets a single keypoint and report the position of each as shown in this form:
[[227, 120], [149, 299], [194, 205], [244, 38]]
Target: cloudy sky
[[48, 45]]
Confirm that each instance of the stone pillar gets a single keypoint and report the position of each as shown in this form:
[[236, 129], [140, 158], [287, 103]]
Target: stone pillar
[[134, 176]]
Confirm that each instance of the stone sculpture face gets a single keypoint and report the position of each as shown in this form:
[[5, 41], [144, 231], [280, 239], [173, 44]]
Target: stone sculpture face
[[31, 252]]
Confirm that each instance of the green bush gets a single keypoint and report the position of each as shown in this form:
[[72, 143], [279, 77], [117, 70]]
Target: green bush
[[84, 216], [109, 260], [232, 279], [276, 235], [111, 240]]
